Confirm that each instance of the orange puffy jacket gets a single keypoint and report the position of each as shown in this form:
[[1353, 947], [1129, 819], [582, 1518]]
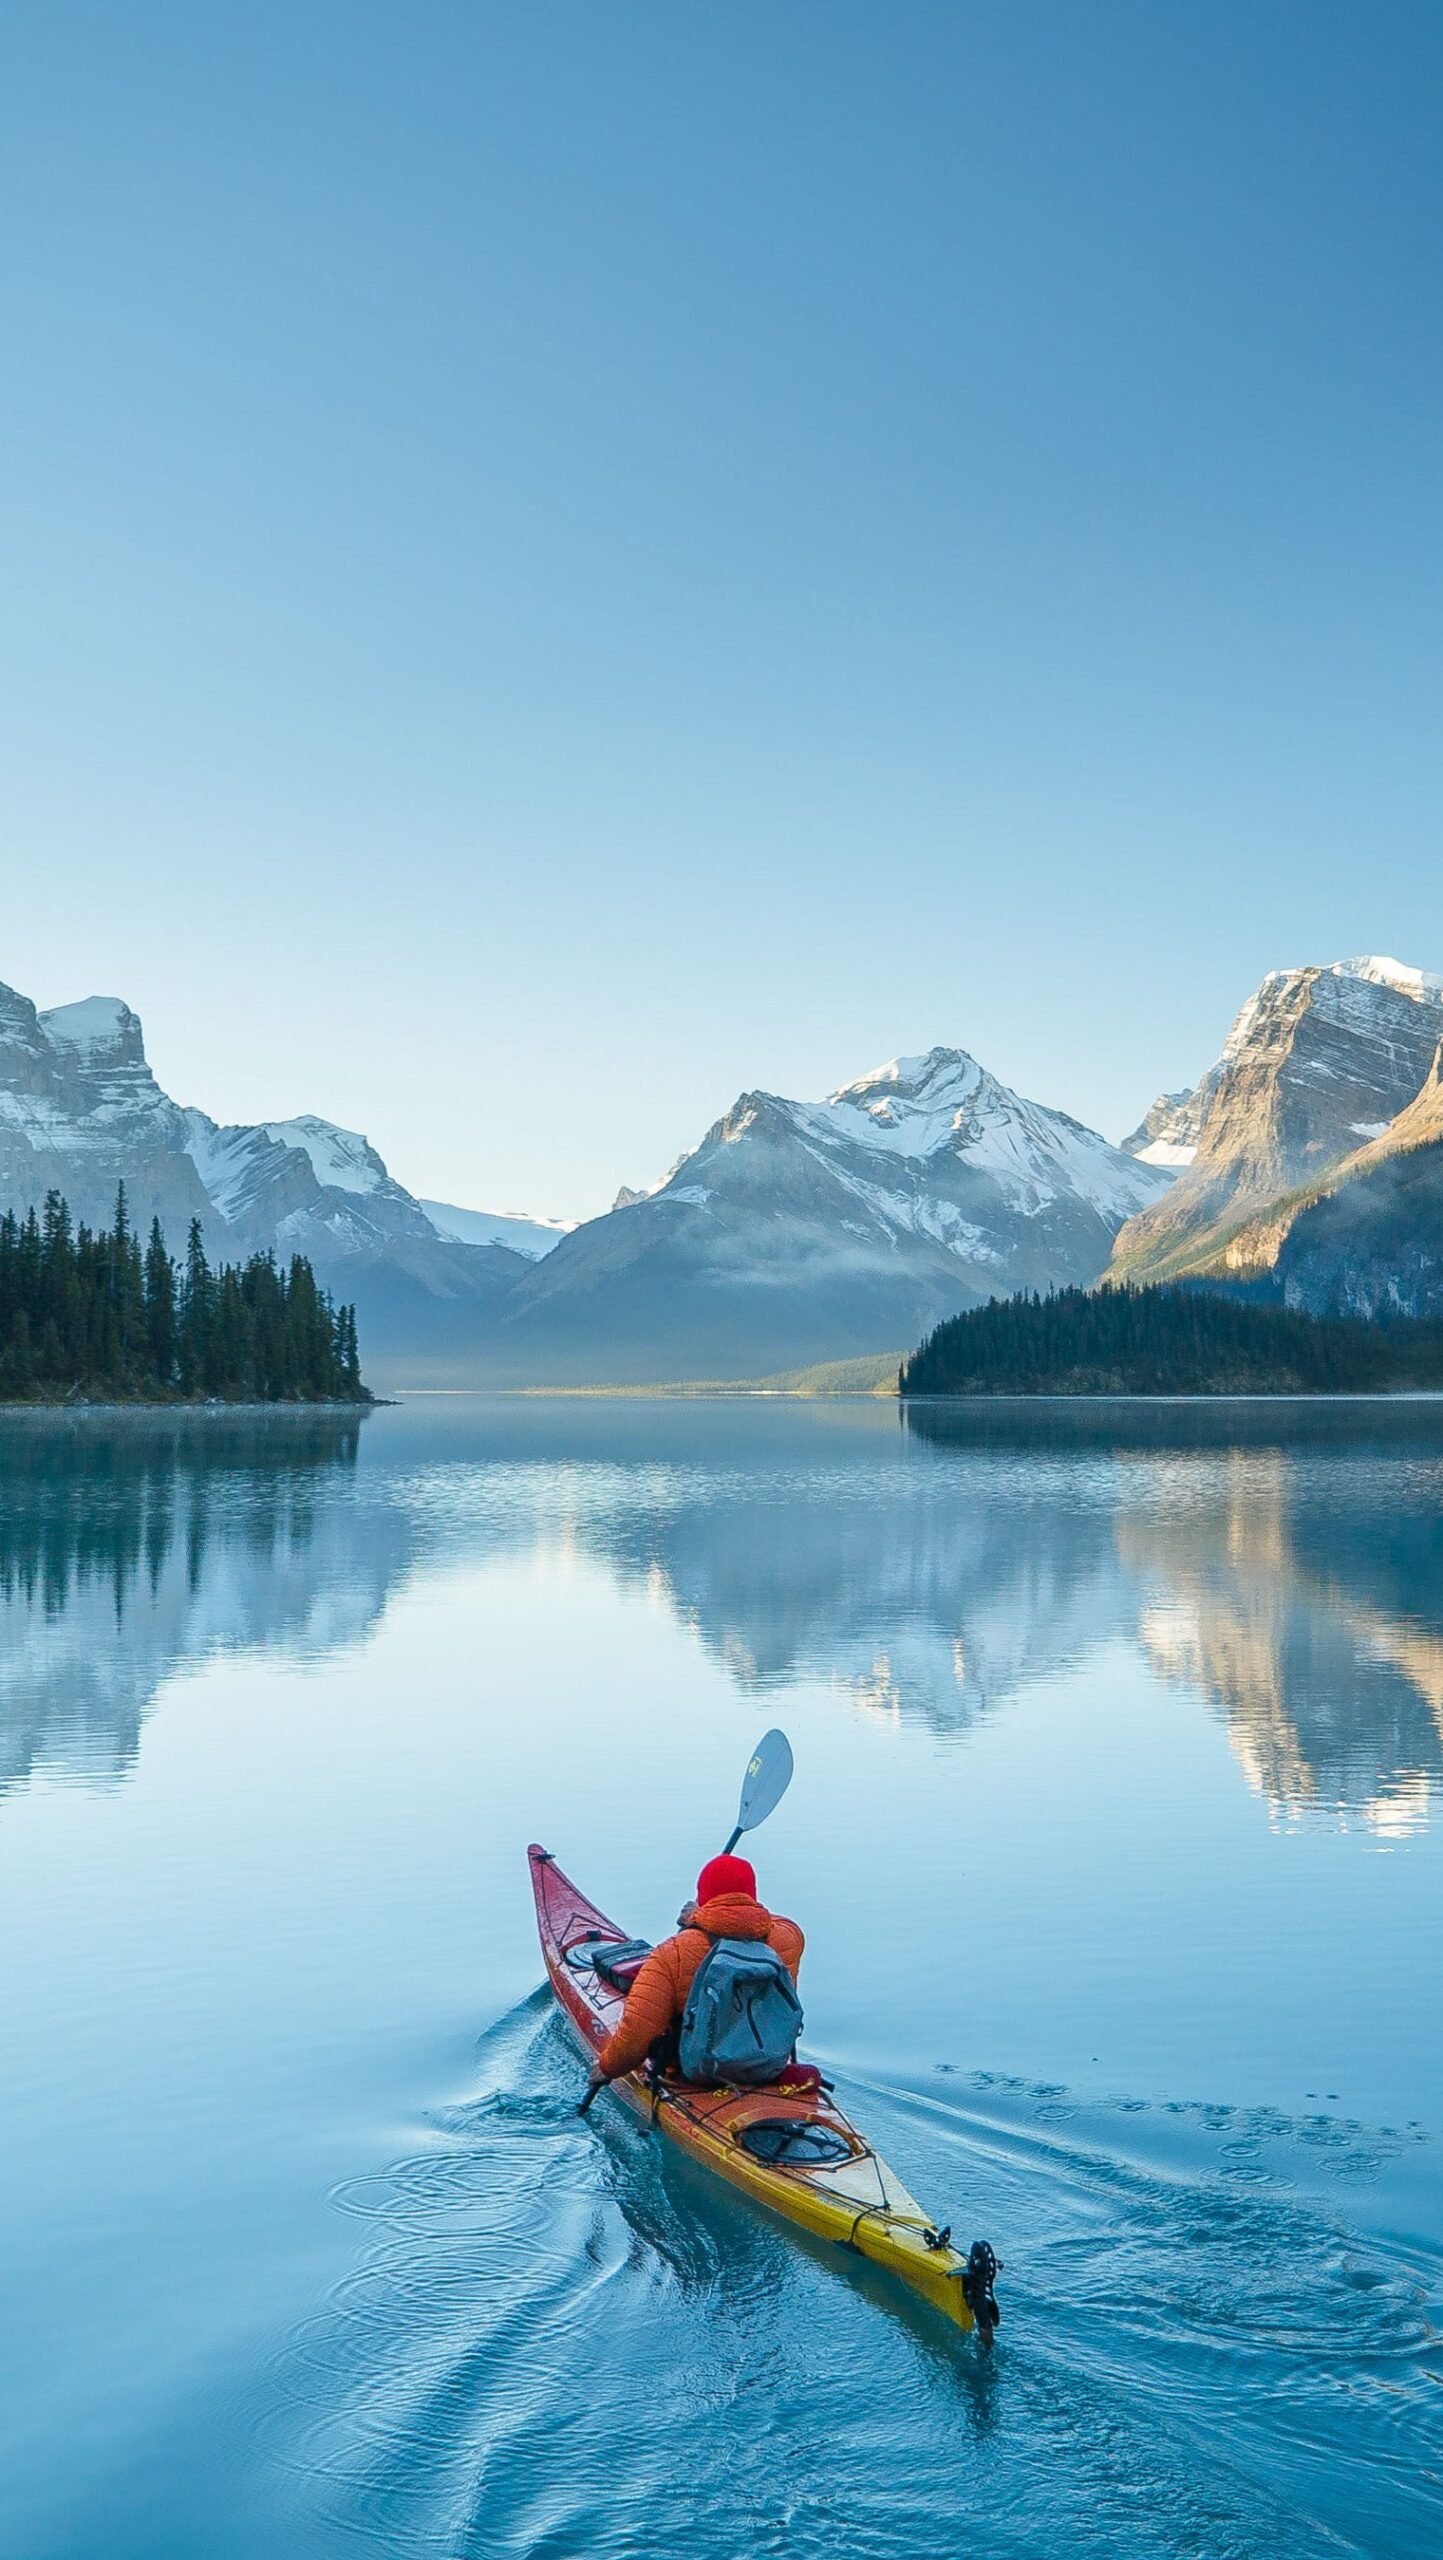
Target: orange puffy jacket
[[658, 1995]]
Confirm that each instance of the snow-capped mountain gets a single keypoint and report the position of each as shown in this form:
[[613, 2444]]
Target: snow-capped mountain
[[304, 1185], [81, 1112], [799, 1232], [1319, 1061], [1309, 1160]]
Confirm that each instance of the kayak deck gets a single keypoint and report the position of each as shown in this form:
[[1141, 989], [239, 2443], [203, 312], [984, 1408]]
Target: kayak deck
[[850, 2197]]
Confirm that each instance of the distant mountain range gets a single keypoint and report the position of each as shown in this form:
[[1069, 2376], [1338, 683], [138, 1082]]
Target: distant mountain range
[[1307, 1163]]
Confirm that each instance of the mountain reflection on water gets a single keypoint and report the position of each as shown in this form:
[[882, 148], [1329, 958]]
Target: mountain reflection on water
[[1287, 1564], [1333, 1691], [132, 1544]]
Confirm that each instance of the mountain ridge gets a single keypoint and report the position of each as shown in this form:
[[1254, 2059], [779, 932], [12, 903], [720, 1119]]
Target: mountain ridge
[[793, 1233], [797, 1233]]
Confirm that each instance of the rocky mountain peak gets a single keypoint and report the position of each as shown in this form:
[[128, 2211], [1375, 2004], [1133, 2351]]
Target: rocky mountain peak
[[1319, 1061], [1316, 1060], [917, 1106], [928, 1079], [101, 1031], [80, 1112]]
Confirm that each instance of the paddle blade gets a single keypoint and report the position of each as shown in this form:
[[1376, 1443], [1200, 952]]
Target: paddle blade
[[768, 1776]]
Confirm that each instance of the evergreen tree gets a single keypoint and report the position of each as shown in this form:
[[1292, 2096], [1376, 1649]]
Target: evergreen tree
[[1166, 1341], [193, 1331], [94, 1316], [160, 1307]]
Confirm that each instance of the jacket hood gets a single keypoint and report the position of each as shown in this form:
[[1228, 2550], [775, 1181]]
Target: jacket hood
[[732, 1915]]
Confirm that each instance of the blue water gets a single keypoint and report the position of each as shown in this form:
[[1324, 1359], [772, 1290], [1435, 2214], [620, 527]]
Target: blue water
[[1115, 1834]]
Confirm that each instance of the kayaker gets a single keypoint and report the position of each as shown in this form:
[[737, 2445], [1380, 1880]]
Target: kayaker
[[726, 1906]]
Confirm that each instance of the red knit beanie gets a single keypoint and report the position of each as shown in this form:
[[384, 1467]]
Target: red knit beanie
[[726, 1875]]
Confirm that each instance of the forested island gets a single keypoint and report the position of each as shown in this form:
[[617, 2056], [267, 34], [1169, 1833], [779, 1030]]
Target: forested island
[[95, 1317], [1167, 1342]]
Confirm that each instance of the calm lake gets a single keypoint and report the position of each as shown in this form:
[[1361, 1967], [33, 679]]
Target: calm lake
[[1115, 1835]]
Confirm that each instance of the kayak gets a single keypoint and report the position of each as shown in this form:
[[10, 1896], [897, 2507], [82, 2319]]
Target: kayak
[[789, 2146]]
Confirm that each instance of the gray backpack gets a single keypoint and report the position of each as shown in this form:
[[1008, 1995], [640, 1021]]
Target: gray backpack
[[742, 2016]]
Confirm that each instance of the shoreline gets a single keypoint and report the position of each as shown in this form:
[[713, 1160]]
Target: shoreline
[[1187, 1395], [208, 1406], [703, 1392]]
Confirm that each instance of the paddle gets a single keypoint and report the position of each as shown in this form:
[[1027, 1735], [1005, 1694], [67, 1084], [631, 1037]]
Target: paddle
[[769, 1774], [767, 1778]]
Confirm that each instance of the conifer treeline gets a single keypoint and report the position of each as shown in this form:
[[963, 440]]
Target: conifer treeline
[[1166, 1341], [97, 1315]]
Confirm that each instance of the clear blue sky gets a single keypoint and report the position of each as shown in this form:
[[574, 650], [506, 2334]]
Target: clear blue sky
[[563, 560]]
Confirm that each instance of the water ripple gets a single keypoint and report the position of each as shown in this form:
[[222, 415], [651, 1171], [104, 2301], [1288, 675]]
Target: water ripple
[[554, 2337]]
